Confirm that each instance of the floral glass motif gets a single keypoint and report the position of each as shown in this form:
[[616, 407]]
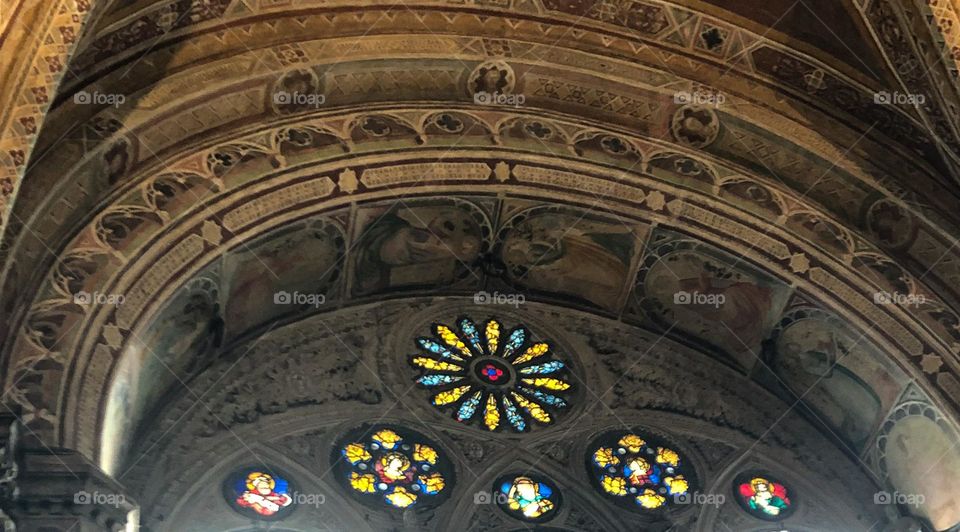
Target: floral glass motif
[[763, 497], [490, 377], [259, 494], [527, 497], [643, 474], [396, 469]]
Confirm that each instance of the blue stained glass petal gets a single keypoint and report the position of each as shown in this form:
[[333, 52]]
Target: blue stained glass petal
[[517, 338], [469, 407], [543, 369], [545, 491], [547, 398], [469, 329], [441, 350], [437, 380], [513, 415]]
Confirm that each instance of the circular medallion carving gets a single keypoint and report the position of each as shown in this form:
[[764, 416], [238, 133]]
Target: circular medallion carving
[[695, 126]]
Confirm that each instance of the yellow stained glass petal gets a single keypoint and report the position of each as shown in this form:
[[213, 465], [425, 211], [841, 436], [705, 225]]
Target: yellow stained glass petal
[[387, 438], [614, 485], [649, 499], [450, 396], [677, 485], [436, 365], [432, 483], [424, 453], [604, 456], [356, 453], [362, 483], [548, 383], [532, 352], [532, 408], [401, 498], [450, 338], [632, 443], [667, 456], [491, 417], [493, 336]]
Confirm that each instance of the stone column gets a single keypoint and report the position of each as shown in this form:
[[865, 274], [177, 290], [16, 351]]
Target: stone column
[[45, 489]]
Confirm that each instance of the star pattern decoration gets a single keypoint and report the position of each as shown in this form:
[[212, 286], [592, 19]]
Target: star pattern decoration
[[501, 376]]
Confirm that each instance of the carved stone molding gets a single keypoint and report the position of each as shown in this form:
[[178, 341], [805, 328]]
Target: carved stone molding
[[664, 204]]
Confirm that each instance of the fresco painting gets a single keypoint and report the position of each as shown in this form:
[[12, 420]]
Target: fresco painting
[[717, 298], [923, 459], [263, 278], [418, 244], [573, 253], [841, 376]]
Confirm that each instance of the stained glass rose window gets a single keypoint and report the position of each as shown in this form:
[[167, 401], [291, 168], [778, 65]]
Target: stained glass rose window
[[392, 466], [492, 378], [639, 471], [527, 497], [259, 492], [762, 496]]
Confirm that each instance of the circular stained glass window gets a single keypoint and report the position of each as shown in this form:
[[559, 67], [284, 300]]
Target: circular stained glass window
[[527, 497], [639, 471], [393, 467], [491, 377], [259, 492], [763, 497]]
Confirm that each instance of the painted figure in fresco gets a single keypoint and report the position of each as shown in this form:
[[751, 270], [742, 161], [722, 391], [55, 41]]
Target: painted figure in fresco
[[303, 259], [260, 495], [764, 496], [562, 252], [809, 359], [712, 295], [745, 304], [417, 246], [913, 444]]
